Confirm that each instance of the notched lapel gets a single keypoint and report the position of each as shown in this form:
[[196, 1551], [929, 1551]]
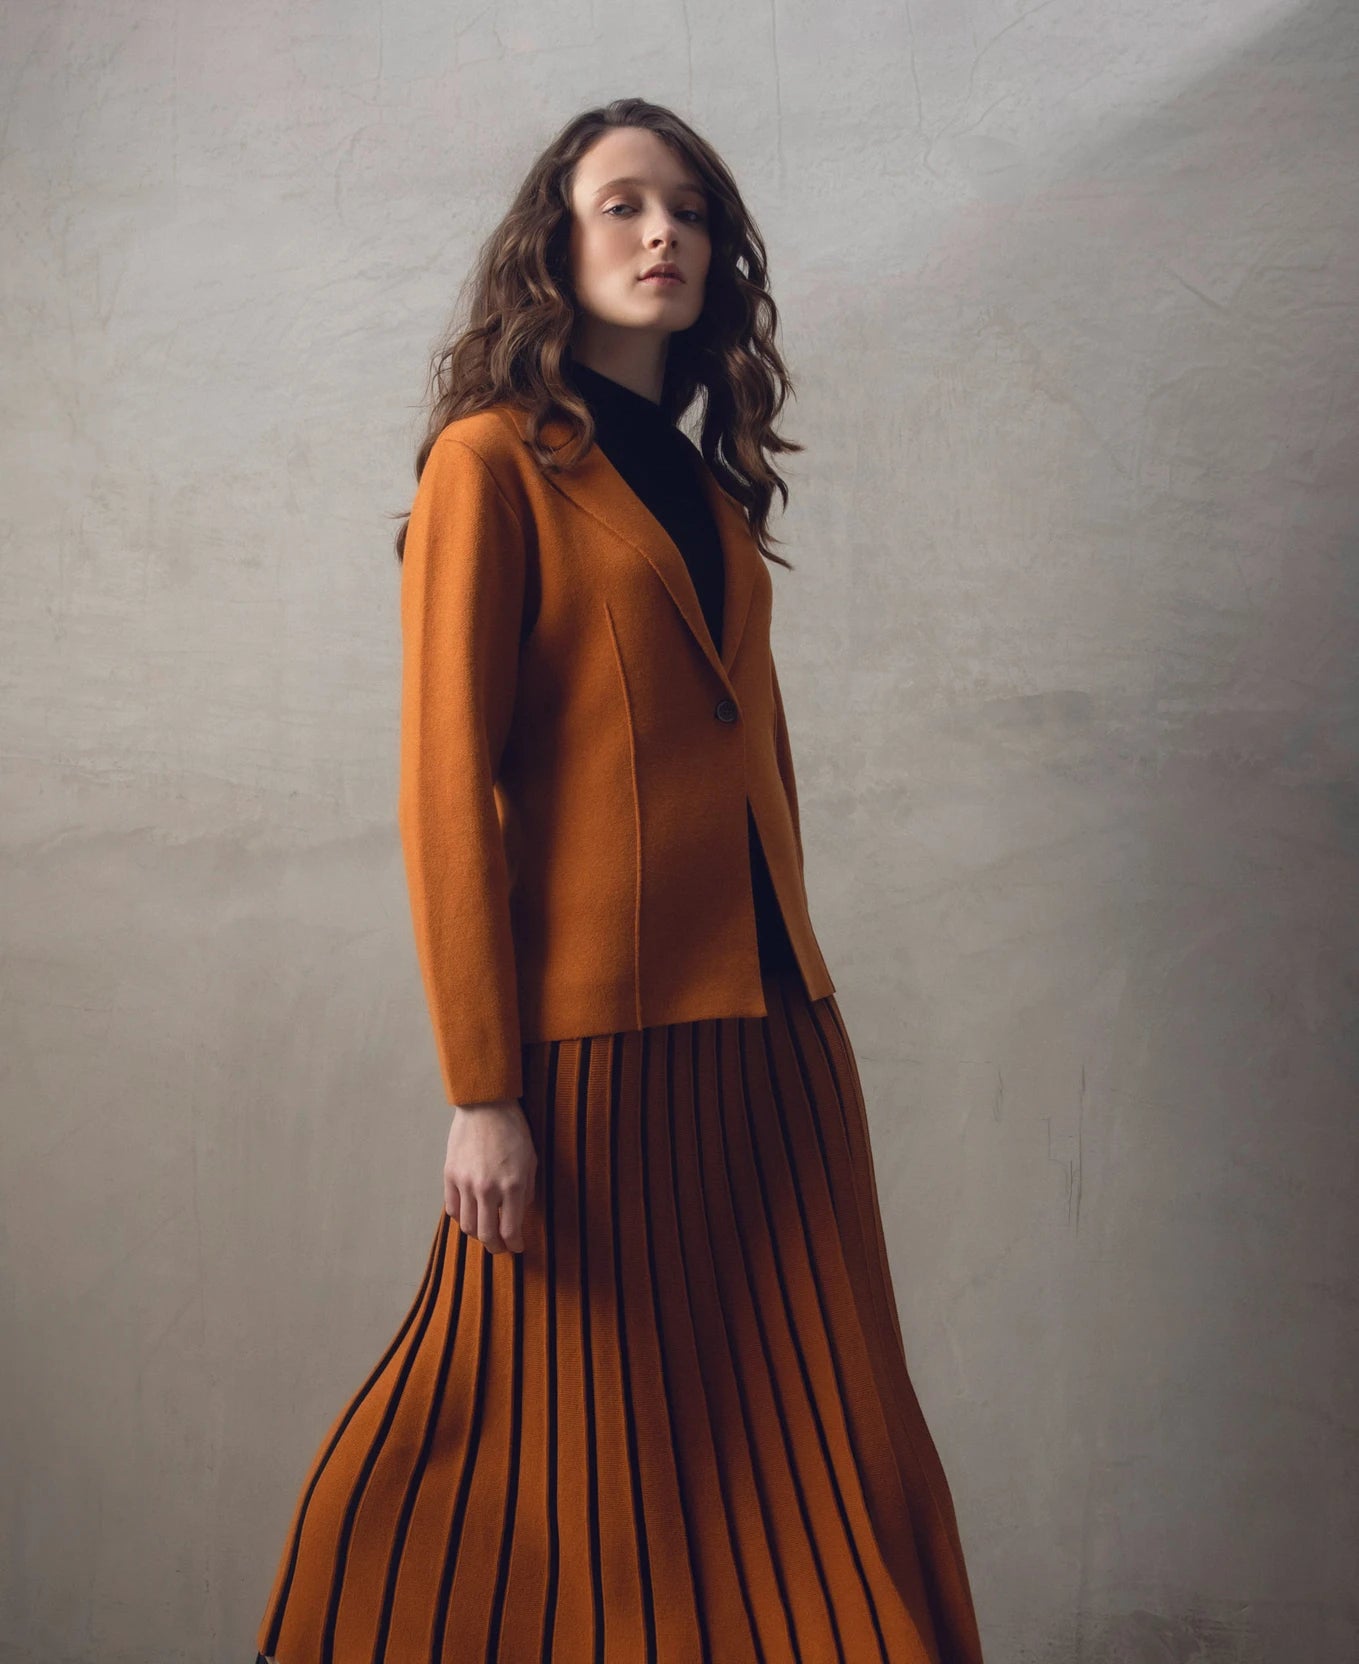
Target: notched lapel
[[597, 487]]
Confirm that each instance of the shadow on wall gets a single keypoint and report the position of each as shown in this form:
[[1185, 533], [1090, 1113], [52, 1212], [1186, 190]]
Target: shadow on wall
[[1124, 657], [1145, 1638]]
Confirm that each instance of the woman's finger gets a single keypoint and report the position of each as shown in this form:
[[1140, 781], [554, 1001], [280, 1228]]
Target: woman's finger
[[512, 1219], [488, 1217]]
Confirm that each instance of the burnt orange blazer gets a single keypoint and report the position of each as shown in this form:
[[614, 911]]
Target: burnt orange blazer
[[576, 756]]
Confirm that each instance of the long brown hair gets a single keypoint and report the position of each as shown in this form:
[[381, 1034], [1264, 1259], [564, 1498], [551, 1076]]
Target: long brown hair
[[521, 312]]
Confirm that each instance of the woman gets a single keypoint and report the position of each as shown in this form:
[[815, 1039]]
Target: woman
[[650, 1402]]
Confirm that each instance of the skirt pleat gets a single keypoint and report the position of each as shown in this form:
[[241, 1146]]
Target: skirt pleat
[[678, 1427]]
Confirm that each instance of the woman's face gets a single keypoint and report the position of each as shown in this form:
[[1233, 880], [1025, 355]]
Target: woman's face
[[635, 204]]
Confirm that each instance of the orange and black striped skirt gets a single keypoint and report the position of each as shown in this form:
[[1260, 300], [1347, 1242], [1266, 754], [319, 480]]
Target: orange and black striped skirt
[[678, 1427]]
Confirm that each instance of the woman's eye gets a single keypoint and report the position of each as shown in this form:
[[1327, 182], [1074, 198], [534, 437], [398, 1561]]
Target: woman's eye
[[695, 215]]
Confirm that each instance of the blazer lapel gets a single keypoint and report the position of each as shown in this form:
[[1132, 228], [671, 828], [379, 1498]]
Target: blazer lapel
[[597, 487]]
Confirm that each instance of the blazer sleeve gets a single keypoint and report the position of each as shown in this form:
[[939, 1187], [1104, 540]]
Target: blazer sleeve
[[462, 591], [785, 755]]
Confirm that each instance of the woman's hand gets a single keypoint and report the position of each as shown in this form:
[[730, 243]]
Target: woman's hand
[[490, 1172]]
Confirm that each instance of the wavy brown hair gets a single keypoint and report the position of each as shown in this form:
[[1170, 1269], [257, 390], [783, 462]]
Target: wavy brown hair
[[520, 312]]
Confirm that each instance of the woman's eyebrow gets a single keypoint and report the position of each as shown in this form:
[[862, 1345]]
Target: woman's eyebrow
[[630, 179]]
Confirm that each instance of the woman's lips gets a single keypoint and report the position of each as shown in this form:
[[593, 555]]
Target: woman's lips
[[663, 279]]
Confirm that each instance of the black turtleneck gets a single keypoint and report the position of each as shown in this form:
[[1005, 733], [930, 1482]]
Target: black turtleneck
[[660, 463]]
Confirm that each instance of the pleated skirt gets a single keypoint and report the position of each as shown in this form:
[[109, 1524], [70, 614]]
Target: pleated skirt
[[678, 1426]]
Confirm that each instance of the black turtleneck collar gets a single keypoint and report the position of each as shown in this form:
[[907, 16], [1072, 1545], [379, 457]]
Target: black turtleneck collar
[[614, 406]]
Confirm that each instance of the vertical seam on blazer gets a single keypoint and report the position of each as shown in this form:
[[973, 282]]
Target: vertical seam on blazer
[[637, 821]]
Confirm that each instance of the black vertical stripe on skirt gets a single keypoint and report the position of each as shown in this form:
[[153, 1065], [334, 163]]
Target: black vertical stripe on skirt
[[678, 1427]]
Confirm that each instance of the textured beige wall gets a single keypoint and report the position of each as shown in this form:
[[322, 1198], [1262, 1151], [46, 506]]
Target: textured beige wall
[[1070, 660]]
